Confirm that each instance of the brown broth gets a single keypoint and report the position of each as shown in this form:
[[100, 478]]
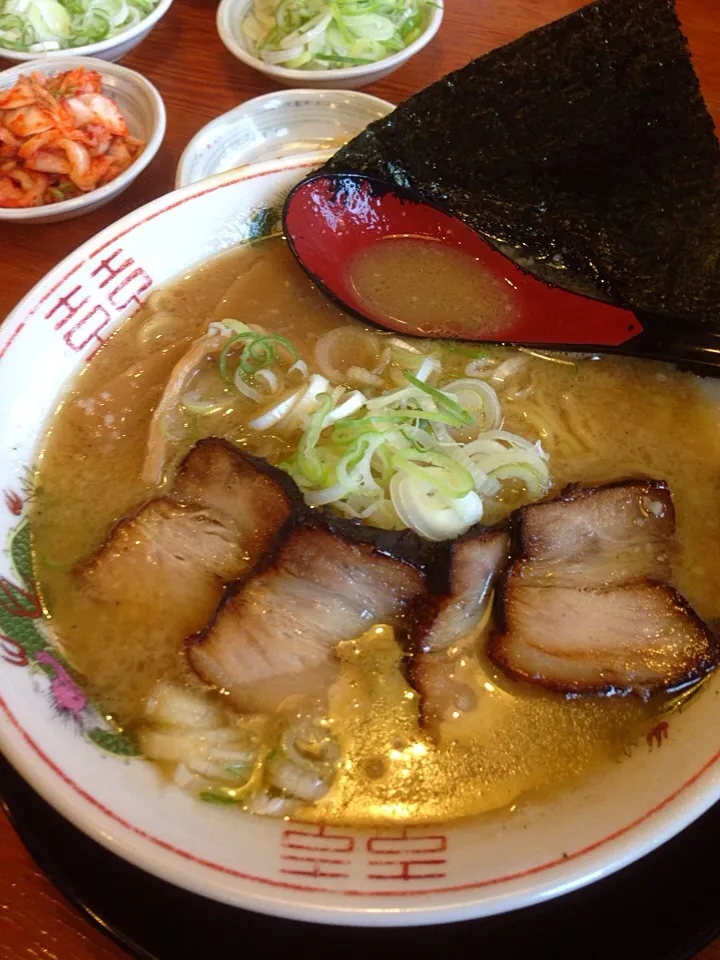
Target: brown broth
[[422, 282], [599, 419]]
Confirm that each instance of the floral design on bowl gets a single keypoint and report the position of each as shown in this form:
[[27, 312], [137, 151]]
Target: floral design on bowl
[[25, 641]]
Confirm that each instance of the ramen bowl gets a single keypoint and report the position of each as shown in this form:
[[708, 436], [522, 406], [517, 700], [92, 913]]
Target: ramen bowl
[[399, 874]]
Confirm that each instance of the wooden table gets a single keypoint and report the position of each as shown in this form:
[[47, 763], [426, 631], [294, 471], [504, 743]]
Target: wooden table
[[199, 80]]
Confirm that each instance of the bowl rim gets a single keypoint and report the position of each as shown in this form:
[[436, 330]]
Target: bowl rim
[[288, 92], [678, 807], [90, 49], [108, 190], [227, 36]]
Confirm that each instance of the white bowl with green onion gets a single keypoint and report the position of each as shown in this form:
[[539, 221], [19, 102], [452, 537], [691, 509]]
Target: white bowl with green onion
[[327, 43], [106, 29]]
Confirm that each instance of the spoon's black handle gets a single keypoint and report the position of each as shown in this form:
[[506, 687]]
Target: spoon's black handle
[[694, 349], [690, 348]]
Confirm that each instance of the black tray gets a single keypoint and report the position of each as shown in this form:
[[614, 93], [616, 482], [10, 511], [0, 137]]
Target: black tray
[[665, 907]]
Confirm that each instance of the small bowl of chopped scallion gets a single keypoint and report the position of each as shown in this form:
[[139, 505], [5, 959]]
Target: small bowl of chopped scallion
[[327, 43], [32, 29]]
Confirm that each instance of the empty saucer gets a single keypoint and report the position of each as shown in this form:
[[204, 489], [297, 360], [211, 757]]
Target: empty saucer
[[277, 125]]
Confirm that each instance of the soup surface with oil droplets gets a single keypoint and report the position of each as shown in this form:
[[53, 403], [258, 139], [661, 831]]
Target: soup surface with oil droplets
[[598, 419], [422, 282]]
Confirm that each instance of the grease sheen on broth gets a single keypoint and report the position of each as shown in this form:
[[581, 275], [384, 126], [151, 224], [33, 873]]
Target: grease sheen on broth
[[421, 281], [599, 420]]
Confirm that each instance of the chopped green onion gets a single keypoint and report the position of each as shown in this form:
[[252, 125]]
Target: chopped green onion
[[218, 796], [259, 351], [441, 399], [285, 17], [340, 21], [322, 34], [257, 354], [307, 459], [223, 359], [393, 459], [97, 26], [473, 353], [67, 23], [240, 771], [269, 39], [414, 443], [349, 61], [235, 325], [350, 429], [445, 474]]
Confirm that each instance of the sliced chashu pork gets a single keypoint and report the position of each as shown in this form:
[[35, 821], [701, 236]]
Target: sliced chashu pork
[[171, 558], [251, 498], [586, 608], [444, 625], [641, 637], [276, 635], [444, 694], [471, 567], [599, 535]]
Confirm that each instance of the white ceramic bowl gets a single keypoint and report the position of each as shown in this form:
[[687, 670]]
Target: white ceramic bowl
[[277, 125], [110, 49], [391, 876], [140, 104], [230, 16]]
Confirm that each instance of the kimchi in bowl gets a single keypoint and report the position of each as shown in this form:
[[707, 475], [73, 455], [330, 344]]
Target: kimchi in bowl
[[139, 103]]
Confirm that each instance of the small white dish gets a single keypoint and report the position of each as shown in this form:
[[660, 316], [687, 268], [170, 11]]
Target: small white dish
[[111, 49], [141, 105], [231, 14], [277, 125]]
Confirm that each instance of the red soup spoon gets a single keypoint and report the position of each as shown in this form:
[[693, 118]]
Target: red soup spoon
[[341, 227]]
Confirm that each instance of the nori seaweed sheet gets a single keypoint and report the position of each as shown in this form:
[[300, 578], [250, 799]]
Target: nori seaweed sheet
[[583, 151]]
